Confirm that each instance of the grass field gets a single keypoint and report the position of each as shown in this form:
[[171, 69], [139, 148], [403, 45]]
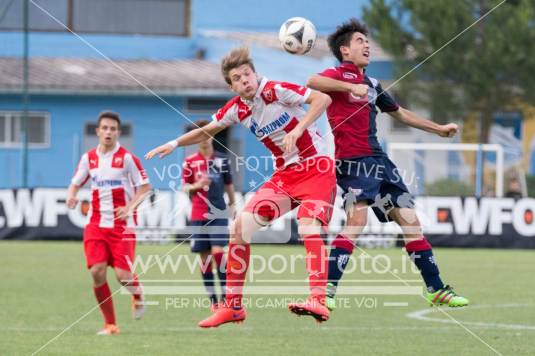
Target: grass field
[[46, 288]]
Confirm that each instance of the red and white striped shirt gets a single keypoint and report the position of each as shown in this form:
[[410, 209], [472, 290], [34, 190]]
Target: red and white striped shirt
[[273, 112], [114, 178]]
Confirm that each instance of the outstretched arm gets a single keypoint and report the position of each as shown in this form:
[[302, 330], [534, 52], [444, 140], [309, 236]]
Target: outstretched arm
[[326, 85], [318, 103], [189, 138], [412, 119]]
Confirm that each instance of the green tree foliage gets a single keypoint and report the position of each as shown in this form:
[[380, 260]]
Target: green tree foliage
[[449, 188], [484, 70]]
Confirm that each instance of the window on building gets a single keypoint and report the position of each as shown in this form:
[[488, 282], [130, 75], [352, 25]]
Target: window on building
[[11, 129], [152, 17], [205, 105], [12, 11]]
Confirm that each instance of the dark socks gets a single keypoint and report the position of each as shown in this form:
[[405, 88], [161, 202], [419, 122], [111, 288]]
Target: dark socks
[[421, 253]]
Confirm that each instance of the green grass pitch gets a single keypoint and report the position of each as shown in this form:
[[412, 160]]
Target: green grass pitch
[[46, 288]]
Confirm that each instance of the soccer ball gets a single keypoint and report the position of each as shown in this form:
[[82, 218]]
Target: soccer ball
[[297, 35]]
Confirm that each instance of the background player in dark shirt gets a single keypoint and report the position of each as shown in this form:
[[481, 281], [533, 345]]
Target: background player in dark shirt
[[364, 172], [206, 177]]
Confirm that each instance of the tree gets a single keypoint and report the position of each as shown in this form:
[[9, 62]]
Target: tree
[[486, 69]]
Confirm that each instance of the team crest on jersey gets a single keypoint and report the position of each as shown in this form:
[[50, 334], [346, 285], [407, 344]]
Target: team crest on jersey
[[117, 162], [268, 94]]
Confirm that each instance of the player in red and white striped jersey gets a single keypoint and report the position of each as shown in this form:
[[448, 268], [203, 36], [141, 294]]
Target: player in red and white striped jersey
[[304, 176], [273, 112], [118, 185]]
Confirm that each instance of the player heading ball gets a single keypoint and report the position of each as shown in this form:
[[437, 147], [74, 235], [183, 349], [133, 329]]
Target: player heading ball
[[273, 112]]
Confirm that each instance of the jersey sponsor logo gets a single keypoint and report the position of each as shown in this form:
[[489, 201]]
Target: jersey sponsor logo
[[371, 98], [350, 76], [271, 127], [357, 99], [106, 183]]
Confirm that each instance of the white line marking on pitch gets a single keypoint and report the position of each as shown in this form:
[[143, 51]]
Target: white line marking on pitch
[[422, 315], [395, 304]]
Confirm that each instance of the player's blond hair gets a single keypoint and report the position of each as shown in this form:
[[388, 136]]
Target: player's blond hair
[[236, 58]]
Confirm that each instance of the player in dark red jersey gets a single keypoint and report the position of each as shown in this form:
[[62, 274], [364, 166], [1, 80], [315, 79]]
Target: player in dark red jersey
[[118, 185], [206, 177], [364, 172], [273, 112]]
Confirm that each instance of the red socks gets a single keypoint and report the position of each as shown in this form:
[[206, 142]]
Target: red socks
[[136, 290], [344, 243], [418, 245], [316, 265], [237, 264], [103, 295]]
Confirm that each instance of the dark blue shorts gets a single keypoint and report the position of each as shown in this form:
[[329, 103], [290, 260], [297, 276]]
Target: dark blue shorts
[[212, 233], [376, 180]]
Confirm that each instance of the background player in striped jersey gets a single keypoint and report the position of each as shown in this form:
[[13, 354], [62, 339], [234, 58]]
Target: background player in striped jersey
[[118, 185], [364, 172], [206, 177], [273, 112]]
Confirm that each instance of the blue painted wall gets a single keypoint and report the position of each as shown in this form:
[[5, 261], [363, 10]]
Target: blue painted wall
[[267, 16], [152, 123], [63, 44]]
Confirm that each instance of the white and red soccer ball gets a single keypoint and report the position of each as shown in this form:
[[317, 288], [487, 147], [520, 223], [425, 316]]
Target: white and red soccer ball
[[297, 35]]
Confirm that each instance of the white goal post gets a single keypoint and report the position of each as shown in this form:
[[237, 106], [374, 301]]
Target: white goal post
[[474, 147]]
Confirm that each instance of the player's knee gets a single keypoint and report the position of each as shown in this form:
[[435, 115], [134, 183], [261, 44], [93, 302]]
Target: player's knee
[[235, 227], [354, 226], [123, 277], [236, 231], [98, 273]]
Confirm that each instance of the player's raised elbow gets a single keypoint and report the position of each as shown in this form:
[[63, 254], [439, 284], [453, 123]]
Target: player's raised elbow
[[319, 99], [312, 82]]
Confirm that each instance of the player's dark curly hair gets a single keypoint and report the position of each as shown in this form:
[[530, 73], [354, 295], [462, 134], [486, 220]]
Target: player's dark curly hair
[[342, 35]]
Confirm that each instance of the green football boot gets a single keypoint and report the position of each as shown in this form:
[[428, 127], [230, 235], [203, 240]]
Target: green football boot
[[330, 301], [446, 296]]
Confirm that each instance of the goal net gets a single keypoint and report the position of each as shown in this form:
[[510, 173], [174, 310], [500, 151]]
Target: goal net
[[450, 169]]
